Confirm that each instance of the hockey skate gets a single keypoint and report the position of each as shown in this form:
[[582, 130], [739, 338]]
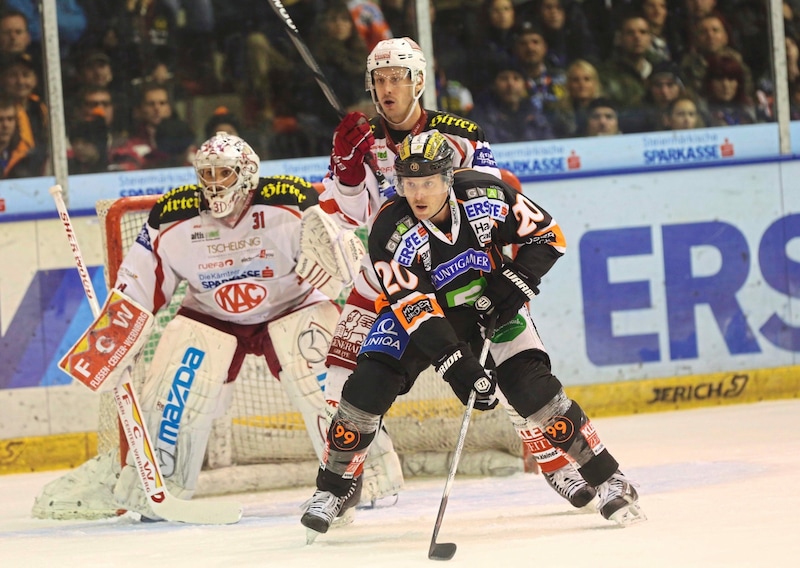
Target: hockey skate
[[619, 501], [325, 509], [568, 483]]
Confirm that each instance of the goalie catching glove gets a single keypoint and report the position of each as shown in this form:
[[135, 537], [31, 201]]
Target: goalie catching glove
[[352, 141], [459, 367], [329, 255], [506, 292]]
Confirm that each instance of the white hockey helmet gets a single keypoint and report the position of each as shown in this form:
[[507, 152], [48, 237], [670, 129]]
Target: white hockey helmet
[[227, 171], [396, 52]]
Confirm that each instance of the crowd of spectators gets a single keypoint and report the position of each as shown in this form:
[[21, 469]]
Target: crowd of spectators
[[524, 69]]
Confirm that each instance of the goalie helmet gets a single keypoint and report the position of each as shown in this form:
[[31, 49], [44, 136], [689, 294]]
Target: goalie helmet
[[422, 155], [397, 52], [227, 171]]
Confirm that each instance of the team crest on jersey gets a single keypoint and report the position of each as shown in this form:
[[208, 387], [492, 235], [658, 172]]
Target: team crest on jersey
[[411, 242], [143, 238], [470, 259], [240, 297], [386, 336]]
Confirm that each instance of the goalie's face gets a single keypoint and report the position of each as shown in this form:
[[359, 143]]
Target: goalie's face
[[222, 189]]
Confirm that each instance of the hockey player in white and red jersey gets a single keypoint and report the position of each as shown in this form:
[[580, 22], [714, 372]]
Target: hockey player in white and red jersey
[[396, 79], [234, 238], [437, 248]]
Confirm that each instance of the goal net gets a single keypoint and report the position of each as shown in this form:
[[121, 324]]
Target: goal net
[[261, 443]]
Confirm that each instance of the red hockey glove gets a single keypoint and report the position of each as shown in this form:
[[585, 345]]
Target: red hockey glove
[[459, 367], [352, 141], [507, 290]]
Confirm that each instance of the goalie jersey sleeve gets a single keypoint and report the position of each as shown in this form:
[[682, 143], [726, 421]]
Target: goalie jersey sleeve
[[355, 206], [243, 274], [430, 278]]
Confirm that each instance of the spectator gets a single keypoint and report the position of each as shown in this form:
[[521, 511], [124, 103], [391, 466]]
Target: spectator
[[19, 81], [451, 95], [765, 92], [175, 145], [545, 84], [88, 139], [154, 106], [71, 22], [566, 31], [17, 158], [93, 69], [666, 40], [121, 152], [15, 37], [568, 114], [664, 85], [625, 73], [711, 38], [222, 121], [496, 44], [340, 52], [142, 42], [602, 118], [507, 111], [369, 21], [725, 101], [682, 114]]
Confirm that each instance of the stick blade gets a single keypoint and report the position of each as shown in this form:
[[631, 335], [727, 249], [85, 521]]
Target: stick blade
[[442, 551], [198, 512]]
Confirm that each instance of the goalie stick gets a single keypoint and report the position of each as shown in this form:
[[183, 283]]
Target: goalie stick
[[164, 504], [446, 550], [322, 81]]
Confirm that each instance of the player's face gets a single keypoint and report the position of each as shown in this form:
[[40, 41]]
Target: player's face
[[426, 195], [395, 91]]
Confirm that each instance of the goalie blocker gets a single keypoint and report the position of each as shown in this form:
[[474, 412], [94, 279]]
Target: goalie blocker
[[110, 345]]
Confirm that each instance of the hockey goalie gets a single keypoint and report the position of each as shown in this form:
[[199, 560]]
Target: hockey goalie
[[251, 288]]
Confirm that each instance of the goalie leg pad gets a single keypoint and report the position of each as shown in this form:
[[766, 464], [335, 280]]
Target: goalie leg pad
[[185, 391], [86, 492], [383, 471], [301, 340]]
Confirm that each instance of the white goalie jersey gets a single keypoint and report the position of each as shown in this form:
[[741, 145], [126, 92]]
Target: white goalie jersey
[[243, 274]]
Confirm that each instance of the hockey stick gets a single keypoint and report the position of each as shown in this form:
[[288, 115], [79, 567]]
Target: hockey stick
[[164, 504], [446, 550], [322, 81]]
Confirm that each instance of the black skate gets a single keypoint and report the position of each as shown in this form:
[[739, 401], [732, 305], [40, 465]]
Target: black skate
[[568, 483], [325, 509], [619, 501]]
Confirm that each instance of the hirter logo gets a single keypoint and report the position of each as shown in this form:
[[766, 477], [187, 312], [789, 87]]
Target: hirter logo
[[240, 297]]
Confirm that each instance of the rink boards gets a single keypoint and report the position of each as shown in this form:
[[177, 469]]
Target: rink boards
[[678, 290]]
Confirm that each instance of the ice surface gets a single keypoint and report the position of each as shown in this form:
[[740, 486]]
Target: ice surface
[[719, 487]]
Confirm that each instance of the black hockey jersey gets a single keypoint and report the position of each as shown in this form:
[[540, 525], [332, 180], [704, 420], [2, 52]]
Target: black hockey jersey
[[430, 273]]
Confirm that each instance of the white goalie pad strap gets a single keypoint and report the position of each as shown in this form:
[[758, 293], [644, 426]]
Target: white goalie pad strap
[[184, 392], [110, 345], [329, 255], [301, 340]]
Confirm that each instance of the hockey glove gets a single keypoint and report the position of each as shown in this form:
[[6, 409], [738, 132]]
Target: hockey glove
[[352, 141], [459, 367], [507, 290]]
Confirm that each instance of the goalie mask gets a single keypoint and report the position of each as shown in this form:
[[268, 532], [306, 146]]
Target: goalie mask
[[398, 53], [227, 171], [424, 155]]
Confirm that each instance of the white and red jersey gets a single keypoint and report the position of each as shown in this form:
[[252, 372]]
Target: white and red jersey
[[242, 274], [356, 205]]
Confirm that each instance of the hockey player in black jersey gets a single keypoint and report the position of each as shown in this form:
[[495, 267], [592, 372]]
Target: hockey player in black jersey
[[437, 250]]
